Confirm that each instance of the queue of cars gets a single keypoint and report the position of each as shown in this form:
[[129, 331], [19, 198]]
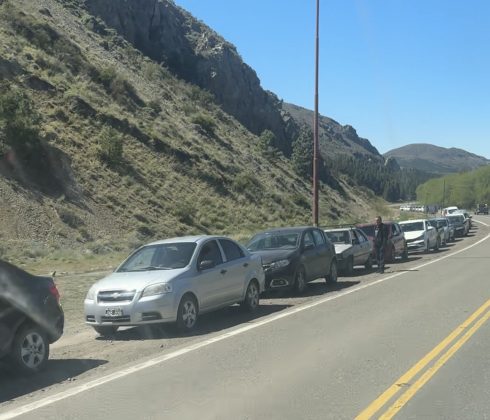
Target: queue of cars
[[176, 280]]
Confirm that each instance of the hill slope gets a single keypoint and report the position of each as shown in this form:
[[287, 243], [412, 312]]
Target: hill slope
[[112, 148], [435, 159]]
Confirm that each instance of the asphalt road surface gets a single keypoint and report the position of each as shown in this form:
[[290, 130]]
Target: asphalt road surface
[[411, 343]]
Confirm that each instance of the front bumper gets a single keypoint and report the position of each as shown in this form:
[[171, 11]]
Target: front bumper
[[140, 311], [416, 245], [279, 279]]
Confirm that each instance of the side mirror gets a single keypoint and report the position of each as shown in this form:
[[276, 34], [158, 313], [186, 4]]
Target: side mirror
[[206, 265], [355, 241], [308, 247]]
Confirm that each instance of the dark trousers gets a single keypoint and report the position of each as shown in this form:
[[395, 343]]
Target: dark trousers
[[380, 257]]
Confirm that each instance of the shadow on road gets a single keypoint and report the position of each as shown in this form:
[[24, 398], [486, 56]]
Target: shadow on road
[[207, 323], [14, 385]]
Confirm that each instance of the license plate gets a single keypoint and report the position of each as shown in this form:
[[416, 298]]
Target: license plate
[[114, 312]]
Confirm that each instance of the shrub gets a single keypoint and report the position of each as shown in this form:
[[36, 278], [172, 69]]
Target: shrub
[[110, 146], [19, 122], [205, 122]]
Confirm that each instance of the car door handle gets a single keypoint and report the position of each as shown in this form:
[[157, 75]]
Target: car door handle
[[245, 264], [223, 271]]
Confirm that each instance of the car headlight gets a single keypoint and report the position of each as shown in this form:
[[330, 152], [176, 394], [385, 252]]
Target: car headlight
[[157, 289], [279, 264], [90, 294]]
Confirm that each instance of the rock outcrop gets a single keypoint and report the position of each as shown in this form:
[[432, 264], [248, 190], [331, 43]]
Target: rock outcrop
[[193, 51]]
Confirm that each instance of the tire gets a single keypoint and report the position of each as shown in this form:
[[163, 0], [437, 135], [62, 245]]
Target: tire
[[436, 247], [391, 256], [252, 297], [369, 263], [405, 253], [349, 266], [332, 274], [299, 281], [30, 349], [105, 330], [187, 313]]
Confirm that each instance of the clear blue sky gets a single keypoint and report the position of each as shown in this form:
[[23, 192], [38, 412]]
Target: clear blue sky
[[399, 71]]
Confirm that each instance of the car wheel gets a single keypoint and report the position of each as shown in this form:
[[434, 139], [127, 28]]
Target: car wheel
[[332, 275], [187, 313], [438, 243], [405, 253], [30, 349], [252, 298], [391, 256], [300, 280], [106, 330], [369, 263], [349, 266]]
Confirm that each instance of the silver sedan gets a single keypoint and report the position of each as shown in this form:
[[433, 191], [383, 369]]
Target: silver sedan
[[174, 280]]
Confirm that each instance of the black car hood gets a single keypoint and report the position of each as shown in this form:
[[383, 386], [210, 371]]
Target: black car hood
[[272, 255]]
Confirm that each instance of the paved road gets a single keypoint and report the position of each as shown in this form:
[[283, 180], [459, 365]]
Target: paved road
[[331, 357]]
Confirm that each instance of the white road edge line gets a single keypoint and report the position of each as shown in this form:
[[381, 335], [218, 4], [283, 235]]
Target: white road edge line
[[176, 353]]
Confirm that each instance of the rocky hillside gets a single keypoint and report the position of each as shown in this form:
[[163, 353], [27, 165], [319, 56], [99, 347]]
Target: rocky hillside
[[107, 141], [435, 159], [335, 139]]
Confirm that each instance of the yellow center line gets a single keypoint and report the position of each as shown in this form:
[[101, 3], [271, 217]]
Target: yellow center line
[[419, 383], [379, 402]]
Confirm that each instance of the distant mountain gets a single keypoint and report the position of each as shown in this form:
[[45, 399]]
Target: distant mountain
[[435, 159]]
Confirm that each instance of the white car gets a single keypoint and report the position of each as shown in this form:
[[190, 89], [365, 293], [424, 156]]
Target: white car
[[449, 210], [175, 280], [420, 235]]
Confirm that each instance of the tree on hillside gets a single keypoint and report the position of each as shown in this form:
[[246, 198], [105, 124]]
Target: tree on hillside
[[302, 155], [267, 144], [19, 122]]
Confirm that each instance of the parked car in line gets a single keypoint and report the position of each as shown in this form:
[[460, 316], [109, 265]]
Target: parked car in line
[[444, 229], [31, 318], [448, 210], [352, 247], [481, 209], [396, 245], [459, 223], [467, 216], [175, 280], [294, 256], [420, 235]]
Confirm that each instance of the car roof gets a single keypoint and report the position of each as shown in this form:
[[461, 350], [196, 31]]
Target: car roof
[[387, 222], [295, 229], [413, 221], [195, 239], [338, 229]]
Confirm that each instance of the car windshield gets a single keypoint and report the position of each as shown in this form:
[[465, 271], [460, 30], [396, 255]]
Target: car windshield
[[276, 240], [339, 236], [159, 257], [456, 219], [412, 227], [368, 230]]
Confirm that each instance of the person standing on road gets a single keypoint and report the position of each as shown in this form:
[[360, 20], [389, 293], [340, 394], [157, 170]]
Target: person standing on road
[[380, 238]]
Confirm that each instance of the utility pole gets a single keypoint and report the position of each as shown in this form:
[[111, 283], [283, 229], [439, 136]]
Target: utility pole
[[315, 121]]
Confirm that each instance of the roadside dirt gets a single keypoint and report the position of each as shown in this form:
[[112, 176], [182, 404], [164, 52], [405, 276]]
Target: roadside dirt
[[81, 354]]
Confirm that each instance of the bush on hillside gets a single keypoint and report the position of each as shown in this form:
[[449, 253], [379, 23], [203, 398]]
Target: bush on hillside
[[19, 122], [111, 145], [205, 122]]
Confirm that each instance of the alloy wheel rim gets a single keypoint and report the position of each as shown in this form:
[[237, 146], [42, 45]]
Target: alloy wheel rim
[[189, 314], [33, 350], [253, 295]]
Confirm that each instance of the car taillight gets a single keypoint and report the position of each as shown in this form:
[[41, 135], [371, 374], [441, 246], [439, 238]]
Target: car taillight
[[54, 291]]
